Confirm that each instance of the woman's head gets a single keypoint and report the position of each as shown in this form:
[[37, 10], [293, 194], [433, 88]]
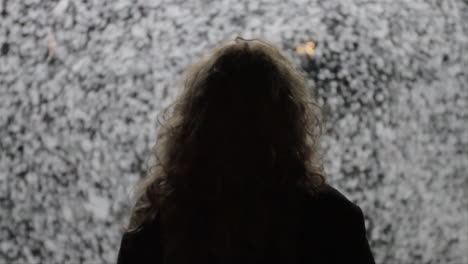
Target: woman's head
[[244, 124]]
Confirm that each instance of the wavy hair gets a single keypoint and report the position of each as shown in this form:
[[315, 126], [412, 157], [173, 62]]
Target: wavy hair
[[244, 130]]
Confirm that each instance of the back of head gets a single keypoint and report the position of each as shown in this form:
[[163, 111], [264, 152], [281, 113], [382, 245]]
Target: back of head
[[243, 132]]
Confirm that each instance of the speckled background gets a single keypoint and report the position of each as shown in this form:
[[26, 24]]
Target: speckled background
[[81, 84]]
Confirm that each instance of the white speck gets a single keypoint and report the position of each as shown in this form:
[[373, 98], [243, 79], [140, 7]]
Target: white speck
[[50, 141], [255, 22], [80, 64], [60, 7], [138, 32], [50, 245], [173, 11], [67, 213], [98, 206]]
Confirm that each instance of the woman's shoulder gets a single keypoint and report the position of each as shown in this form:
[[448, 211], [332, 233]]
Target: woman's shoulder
[[328, 199], [341, 227], [141, 245]]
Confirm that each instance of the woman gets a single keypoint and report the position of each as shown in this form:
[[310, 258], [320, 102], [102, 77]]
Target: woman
[[238, 177]]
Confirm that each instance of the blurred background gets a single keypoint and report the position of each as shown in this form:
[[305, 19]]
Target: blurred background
[[81, 84]]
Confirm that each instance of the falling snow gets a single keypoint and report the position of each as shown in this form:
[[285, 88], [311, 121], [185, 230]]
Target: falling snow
[[81, 83]]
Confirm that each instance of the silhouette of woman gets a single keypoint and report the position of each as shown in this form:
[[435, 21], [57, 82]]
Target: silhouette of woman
[[238, 176]]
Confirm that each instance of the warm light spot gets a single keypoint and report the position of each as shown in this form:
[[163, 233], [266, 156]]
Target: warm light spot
[[300, 49], [310, 43], [306, 48], [309, 50]]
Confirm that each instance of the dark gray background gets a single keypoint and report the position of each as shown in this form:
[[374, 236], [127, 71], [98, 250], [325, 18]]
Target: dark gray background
[[81, 83]]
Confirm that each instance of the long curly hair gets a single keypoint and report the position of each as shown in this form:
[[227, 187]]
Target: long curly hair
[[238, 141]]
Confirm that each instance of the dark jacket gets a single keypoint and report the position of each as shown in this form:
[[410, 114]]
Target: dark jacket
[[339, 235]]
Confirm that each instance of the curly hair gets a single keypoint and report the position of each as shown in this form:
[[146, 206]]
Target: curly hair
[[244, 130]]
